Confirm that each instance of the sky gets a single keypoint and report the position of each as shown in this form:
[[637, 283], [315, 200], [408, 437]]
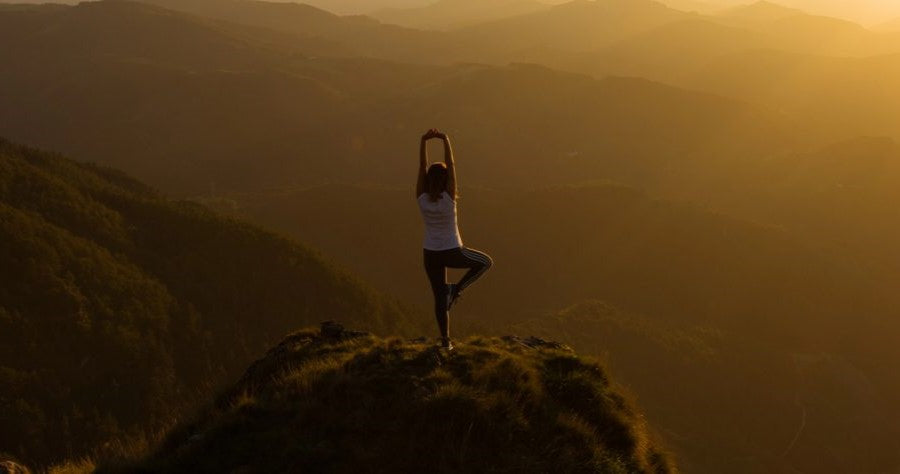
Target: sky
[[867, 12]]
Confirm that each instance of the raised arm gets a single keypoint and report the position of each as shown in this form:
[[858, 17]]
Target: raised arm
[[451, 167], [423, 164]]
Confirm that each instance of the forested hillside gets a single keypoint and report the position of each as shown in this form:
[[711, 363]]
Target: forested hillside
[[119, 306]]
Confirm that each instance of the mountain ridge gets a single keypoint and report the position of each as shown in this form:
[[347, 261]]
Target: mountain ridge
[[762, 10], [451, 14]]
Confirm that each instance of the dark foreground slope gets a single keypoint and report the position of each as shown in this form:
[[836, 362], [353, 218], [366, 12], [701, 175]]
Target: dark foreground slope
[[348, 402], [118, 305]]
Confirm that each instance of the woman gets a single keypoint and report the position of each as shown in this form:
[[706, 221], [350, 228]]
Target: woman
[[443, 247]]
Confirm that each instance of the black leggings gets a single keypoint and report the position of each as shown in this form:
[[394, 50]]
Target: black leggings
[[436, 264]]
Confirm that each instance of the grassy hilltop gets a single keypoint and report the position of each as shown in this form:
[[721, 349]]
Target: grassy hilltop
[[340, 401]]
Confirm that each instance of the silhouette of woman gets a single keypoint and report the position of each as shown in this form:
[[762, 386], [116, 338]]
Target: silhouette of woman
[[443, 247]]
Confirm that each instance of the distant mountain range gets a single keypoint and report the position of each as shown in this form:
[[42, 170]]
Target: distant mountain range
[[697, 6], [177, 110], [761, 11]]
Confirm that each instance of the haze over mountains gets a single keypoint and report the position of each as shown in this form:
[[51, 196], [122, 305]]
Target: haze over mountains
[[869, 12], [866, 11], [449, 14], [893, 25], [703, 194]]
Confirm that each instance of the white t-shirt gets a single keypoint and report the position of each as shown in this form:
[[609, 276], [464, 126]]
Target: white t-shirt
[[441, 231]]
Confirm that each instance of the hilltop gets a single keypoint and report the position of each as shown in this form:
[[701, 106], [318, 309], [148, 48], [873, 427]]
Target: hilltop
[[341, 401]]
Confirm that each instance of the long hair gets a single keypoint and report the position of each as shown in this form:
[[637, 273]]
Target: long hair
[[436, 181]]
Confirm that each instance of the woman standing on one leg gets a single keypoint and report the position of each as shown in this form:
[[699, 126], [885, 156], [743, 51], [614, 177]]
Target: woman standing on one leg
[[443, 248]]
